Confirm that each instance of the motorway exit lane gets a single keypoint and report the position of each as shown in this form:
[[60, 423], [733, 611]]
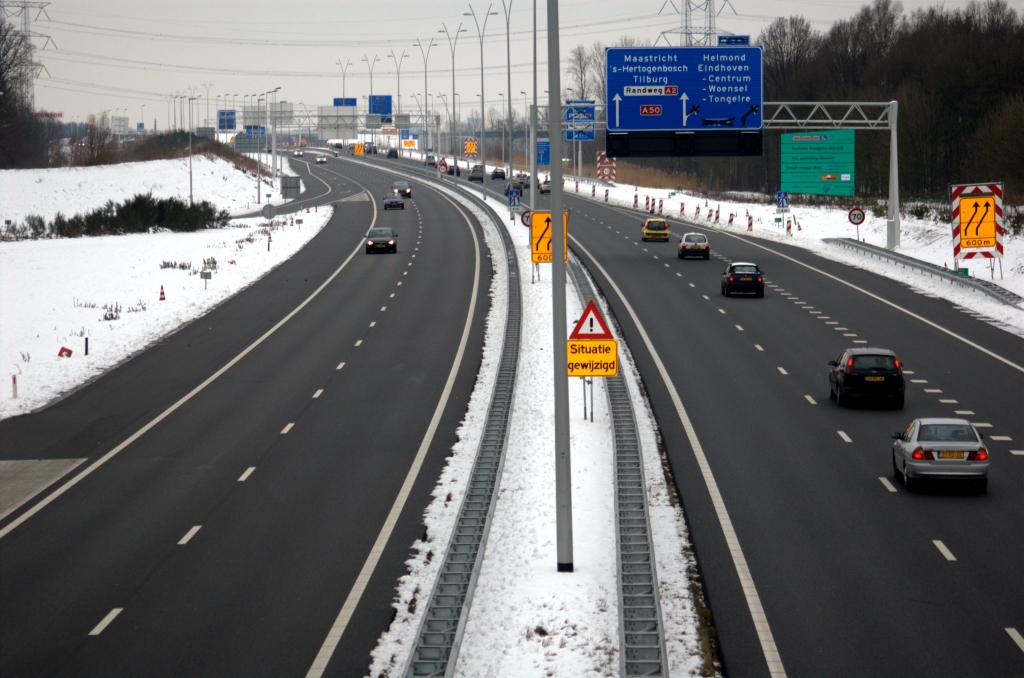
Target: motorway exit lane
[[830, 547], [256, 588]]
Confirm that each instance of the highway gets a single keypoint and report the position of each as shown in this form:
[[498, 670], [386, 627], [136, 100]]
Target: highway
[[240, 472], [856, 577]]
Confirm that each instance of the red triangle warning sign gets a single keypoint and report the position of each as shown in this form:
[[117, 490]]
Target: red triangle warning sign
[[591, 325]]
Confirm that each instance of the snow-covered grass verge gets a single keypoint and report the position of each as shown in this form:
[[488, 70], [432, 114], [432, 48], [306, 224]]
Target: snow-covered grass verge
[[56, 293], [925, 240], [72, 190], [527, 619]]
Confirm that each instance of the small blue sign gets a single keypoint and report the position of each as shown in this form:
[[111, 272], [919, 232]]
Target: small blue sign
[[226, 120], [733, 40], [782, 199], [140, 125], [380, 104], [684, 89], [579, 120], [338, 101], [255, 129], [543, 151], [513, 198], [404, 133], [416, 137]]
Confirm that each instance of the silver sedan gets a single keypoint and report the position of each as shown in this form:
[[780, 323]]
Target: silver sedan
[[940, 448]]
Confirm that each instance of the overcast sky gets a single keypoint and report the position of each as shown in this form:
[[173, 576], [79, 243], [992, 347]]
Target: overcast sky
[[114, 54]]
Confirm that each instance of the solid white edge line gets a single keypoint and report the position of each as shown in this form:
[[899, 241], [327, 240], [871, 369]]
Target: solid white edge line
[[188, 535], [106, 621], [764, 632], [943, 550], [330, 643], [184, 399], [885, 481], [248, 472], [1016, 636]]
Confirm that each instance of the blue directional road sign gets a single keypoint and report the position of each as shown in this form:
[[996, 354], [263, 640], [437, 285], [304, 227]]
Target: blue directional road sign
[[782, 199], [543, 151], [339, 101], [226, 120], [579, 120], [380, 104], [513, 198], [140, 125], [734, 40], [684, 88]]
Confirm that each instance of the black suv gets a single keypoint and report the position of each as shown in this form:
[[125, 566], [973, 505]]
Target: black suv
[[861, 374], [392, 153]]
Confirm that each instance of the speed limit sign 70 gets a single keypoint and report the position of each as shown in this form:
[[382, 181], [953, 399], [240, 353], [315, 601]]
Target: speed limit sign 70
[[856, 216], [525, 218]]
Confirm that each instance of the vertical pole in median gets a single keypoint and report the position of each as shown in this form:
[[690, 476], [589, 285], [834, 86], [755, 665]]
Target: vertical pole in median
[[563, 468], [893, 231]]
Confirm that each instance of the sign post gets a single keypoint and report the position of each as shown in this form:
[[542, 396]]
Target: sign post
[[856, 217]]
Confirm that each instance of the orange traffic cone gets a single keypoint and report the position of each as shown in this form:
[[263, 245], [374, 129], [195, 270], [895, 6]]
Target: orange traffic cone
[[162, 297]]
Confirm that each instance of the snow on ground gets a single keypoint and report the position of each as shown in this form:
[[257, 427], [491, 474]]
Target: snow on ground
[[922, 239], [53, 292], [72, 190], [527, 619]]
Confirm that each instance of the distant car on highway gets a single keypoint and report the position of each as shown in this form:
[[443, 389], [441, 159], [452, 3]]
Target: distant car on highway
[[514, 185], [694, 245], [941, 449], [655, 229], [497, 173], [402, 188], [296, 154], [321, 159], [431, 160], [476, 174], [381, 240], [392, 152], [866, 374], [545, 186], [393, 200], [743, 277], [453, 170]]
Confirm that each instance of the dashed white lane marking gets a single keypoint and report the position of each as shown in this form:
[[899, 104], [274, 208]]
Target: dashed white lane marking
[[1001, 439], [933, 390], [758, 347], [188, 535], [817, 313], [413, 256], [399, 282], [739, 327], [393, 294], [666, 266], [860, 341], [850, 335], [948, 401], [907, 372], [410, 263], [821, 317], [248, 472], [340, 365], [1017, 453], [781, 369], [106, 621], [691, 284], [846, 438], [840, 329], [832, 322], [383, 308], [811, 400], [655, 256], [405, 273], [722, 311], [943, 550], [918, 381], [681, 275], [1016, 636], [963, 411], [287, 428], [318, 392], [979, 424], [359, 342], [888, 485], [373, 323]]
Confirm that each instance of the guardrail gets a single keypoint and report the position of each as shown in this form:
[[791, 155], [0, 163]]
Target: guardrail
[[983, 286]]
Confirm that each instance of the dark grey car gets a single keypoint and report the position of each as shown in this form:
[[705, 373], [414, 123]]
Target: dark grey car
[[867, 374], [393, 200], [381, 240]]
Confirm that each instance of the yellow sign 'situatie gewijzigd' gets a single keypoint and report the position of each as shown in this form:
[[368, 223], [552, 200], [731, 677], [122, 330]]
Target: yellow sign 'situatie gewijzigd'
[[593, 357]]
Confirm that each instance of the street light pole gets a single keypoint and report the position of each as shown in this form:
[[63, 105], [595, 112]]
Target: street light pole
[[480, 30], [451, 45], [532, 142], [344, 74], [563, 465], [207, 101], [503, 132], [190, 100], [425, 55], [142, 116], [508, 74], [369, 101]]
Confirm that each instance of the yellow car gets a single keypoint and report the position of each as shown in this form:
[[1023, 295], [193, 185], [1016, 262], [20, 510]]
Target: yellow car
[[655, 229]]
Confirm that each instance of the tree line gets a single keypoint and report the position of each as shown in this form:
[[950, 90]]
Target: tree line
[[957, 73]]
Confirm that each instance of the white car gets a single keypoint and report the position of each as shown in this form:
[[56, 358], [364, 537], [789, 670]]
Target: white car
[[321, 159], [950, 449]]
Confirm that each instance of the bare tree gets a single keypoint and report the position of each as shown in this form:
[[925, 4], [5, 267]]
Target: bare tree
[[578, 72], [790, 45]]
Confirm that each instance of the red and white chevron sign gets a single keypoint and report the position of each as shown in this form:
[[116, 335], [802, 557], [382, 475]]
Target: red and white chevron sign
[[977, 220], [606, 168]]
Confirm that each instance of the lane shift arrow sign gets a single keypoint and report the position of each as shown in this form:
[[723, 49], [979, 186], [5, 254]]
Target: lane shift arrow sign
[[617, 99], [684, 99]]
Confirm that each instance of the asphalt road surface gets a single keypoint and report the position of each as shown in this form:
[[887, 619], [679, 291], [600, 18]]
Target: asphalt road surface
[[226, 538]]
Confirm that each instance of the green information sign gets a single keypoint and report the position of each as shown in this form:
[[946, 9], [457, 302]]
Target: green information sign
[[818, 162]]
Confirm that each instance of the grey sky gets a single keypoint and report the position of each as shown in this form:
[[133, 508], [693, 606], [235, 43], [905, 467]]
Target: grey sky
[[116, 54]]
